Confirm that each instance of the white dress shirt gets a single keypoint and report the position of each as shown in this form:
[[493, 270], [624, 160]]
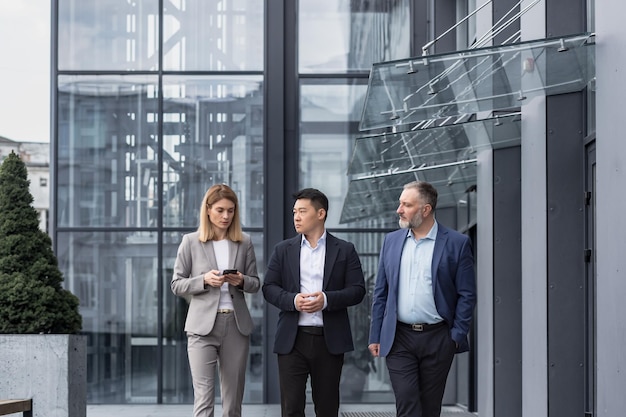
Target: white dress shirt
[[312, 260]]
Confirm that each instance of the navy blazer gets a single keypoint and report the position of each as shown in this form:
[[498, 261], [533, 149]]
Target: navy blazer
[[453, 280], [343, 285]]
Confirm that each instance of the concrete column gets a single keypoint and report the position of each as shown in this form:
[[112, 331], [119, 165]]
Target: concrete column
[[51, 369], [610, 203], [534, 239]]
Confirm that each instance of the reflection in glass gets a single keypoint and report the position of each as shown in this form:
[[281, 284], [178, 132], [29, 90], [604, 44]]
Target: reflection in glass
[[435, 145], [330, 111], [115, 276], [212, 35], [212, 133], [177, 386], [343, 36], [364, 378], [442, 153], [377, 196], [466, 210], [108, 35], [107, 150], [330, 114]]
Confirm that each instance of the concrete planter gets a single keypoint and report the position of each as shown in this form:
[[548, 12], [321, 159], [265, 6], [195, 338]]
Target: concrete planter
[[51, 369]]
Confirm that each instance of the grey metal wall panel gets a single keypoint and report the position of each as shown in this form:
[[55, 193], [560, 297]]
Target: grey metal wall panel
[[502, 10], [445, 18], [565, 155], [420, 26], [507, 283], [590, 277], [566, 268], [565, 17]]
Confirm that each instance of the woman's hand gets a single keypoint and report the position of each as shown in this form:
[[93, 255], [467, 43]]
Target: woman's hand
[[234, 279], [213, 279]]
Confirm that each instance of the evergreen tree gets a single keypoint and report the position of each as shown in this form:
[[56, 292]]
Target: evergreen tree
[[32, 299]]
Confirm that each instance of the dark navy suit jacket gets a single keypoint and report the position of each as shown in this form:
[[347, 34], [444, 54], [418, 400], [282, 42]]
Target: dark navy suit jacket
[[343, 285], [453, 280]]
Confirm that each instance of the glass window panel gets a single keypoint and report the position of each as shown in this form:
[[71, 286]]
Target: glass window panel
[[114, 274], [202, 35], [177, 386], [466, 210], [108, 35], [330, 110], [212, 133], [375, 198], [364, 378], [341, 36], [107, 151]]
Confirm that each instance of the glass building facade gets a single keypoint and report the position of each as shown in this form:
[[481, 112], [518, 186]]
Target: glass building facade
[[154, 101]]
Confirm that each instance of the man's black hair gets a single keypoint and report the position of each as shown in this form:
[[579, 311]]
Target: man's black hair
[[318, 198]]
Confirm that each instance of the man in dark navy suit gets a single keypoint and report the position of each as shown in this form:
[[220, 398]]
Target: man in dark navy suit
[[423, 302], [312, 278]]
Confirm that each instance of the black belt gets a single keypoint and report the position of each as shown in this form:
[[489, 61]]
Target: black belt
[[315, 330], [422, 327]]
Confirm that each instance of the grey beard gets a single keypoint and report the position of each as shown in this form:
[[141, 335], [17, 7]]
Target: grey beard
[[414, 223]]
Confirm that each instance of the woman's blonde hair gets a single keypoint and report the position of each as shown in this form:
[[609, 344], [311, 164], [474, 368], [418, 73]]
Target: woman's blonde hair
[[212, 196]]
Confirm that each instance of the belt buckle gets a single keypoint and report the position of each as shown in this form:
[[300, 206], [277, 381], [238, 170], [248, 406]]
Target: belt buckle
[[417, 327]]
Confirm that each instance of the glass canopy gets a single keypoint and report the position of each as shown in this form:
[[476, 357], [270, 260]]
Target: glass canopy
[[376, 196], [466, 82], [443, 154]]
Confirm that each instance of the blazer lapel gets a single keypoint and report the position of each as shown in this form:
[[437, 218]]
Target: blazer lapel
[[395, 252], [233, 251], [440, 244], [331, 255], [207, 247], [294, 260]]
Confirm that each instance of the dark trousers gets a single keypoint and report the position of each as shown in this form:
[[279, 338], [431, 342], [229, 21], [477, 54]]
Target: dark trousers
[[418, 365], [309, 356]]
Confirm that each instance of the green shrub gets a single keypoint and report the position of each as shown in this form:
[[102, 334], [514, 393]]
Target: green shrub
[[32, 299]]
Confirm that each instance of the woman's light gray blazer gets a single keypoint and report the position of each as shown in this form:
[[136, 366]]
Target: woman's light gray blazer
[[193, 260]]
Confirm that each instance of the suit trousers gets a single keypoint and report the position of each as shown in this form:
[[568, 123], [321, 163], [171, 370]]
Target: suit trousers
[[225, 346], [310, 356], [418, 365]]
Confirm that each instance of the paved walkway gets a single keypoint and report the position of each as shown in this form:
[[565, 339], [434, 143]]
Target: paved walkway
[[249, 410]]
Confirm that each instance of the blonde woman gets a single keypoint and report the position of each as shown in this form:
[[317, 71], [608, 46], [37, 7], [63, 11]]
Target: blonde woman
[[214, 267]]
